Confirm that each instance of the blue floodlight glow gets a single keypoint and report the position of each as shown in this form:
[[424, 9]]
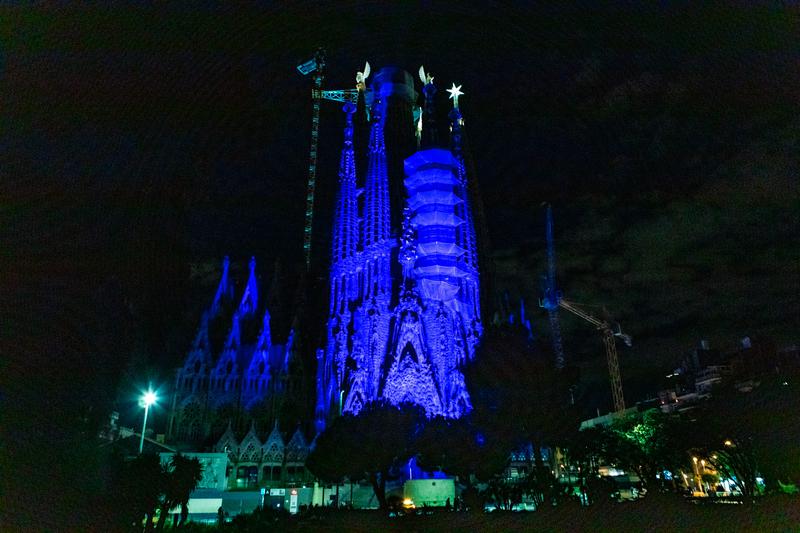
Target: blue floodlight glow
[[401, 334]]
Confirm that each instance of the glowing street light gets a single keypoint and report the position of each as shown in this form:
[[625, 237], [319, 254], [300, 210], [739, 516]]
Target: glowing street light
[[147, 399]]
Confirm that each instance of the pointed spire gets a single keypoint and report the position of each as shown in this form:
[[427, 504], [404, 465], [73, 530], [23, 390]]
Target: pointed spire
[[430, 134], [456, 134], [467, 236], [265, 337], [201, 340], [376, 209], [289, 346], [234, 335], [249, 301], [345, 230], [224, 289]]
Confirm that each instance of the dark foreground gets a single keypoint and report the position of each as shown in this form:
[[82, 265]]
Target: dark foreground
[[657, 512]]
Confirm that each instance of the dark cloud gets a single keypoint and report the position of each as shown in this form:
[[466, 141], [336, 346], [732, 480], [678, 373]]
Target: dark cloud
[[140, 146]]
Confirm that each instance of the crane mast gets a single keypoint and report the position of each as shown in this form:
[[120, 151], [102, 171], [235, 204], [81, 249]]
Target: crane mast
[[552, 295], [611, 349], [552, 301], [316, 67]]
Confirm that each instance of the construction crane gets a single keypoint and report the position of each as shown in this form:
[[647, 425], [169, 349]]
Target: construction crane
[[316, 68], [552, 295], [611, 348], [552, 301]]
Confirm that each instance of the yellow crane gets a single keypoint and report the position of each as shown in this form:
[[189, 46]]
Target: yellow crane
[[611, 348]]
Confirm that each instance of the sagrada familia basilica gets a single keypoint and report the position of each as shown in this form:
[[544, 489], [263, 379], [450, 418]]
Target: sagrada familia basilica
[[404, 312]]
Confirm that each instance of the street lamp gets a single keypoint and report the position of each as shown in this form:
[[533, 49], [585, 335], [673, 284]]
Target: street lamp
[[147, 399]]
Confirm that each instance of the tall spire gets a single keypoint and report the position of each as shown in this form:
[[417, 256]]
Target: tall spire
[[376, 238], [224, 289], [376, 209], [249, 301], [345, 224], [264, 341], [345, 228], [466, 231], [430, 134]]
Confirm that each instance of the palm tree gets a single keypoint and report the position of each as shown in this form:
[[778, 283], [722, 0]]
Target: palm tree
[[180, 478]]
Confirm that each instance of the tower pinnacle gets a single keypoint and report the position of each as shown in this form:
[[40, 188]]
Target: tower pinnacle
[[455, 92]]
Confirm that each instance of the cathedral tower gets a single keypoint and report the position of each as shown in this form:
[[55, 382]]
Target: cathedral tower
[[404, 313]]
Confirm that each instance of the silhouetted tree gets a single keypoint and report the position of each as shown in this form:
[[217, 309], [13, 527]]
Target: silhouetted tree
[[519, 397], [139, 487], [179, 478], [754, 431], [459, 448], [373, 445]]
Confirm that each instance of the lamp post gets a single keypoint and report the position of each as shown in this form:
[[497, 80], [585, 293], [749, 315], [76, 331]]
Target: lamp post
[[148, 399]]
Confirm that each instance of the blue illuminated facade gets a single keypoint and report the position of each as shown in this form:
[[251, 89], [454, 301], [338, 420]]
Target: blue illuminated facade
[[221, 384], [404, 312]]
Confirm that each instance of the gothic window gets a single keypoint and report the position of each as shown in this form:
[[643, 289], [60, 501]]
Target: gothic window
[[197, 367], [251, 453], [229, 367], [190, 423], [274, 454], [261, 367]]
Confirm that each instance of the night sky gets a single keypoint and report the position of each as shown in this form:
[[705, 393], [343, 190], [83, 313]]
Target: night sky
[[139, 146]]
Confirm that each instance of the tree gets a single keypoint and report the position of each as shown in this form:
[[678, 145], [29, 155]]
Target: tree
[[459, 448], [138, 486], [373, 445], [649, 443], [143, 485], [325, 460], [179, 478], [519, 397], [755, 432]]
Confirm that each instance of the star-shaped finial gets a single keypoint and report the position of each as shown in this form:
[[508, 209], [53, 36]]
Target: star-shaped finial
[[455, 92]]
